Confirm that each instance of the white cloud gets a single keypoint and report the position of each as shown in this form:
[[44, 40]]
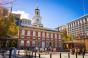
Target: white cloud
[[23, 14]]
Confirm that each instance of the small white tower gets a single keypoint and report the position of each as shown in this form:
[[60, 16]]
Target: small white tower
[[36, 20]]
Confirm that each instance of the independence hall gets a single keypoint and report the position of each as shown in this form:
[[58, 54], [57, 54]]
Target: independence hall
[[33, 34], [38, 37]]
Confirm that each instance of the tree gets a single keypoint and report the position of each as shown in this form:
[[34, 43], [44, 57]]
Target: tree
[[2, 26], [66, 37], [8, 26], [12, 27]]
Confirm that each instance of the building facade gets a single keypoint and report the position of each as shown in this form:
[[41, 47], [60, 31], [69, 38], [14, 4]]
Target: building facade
[[25, 22], [38, 37], [36, 20], [78, 27], [35, 35]]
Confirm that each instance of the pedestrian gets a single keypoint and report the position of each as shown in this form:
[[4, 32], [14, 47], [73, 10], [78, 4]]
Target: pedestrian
[[83, 51]]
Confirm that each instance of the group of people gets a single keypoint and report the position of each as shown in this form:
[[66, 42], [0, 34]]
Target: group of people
[[78, 51]]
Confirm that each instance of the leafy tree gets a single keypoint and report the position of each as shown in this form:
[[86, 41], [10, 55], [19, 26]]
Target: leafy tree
[[2, 26], [8, 26], [66, 37], [12, 27]]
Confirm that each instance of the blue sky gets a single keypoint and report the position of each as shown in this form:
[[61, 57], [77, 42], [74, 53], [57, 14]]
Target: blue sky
[[54, 12]]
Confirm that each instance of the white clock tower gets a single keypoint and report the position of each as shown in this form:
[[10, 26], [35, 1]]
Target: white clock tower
[[36, 20]]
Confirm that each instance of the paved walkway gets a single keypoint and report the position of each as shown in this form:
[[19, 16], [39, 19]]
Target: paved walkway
[[46, 55], [63, 55]]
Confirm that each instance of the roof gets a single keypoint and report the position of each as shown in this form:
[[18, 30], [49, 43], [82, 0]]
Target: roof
[[79, 18], [43, 28]]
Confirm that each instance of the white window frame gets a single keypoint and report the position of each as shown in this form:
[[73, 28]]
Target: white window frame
[[34, 33], [34, 43], [55, 35], [39, 34], [43, 34], [28, 43], [84, 20], [28, 33], [23, 32], [87, 19], [51, 35], [22, 43], [47, 35]]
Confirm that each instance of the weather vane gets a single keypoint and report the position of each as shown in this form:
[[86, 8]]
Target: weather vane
[[36, 3]]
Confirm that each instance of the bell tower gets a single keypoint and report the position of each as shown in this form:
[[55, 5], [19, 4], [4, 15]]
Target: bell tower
[[36, 20]]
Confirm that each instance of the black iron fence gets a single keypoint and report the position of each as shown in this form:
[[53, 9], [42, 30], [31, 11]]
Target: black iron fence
[[30, 54]]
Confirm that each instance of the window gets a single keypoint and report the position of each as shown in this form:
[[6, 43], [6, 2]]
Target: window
[[34, 38], [84, 20], [43, 44], [87, 19], [28, 33], [81, 21], [55, 35], [39, 44], [78, 23], [34, 33], [59, 36], [23, 32], [51, 35], [22, 43], [38, 38], [87, 33], [22, 37], [39, 34], [28, 43], [43, 38], [43, 34], [47, 35], [33, 43]]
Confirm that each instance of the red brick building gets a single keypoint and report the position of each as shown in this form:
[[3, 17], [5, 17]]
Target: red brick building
[[38, 37]]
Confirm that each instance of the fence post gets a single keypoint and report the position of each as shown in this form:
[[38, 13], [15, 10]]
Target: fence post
[[18, 52], [68, 55], [10, 51], [60, 55], [35, 54], [83, 55], [50, 55], [32, 53], [39, 55], [76, 55], [3, 55]]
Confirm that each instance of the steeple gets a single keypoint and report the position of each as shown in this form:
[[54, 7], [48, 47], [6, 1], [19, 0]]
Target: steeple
[[37, 11], [36, 20]]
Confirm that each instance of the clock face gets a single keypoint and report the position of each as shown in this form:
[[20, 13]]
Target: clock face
[[37, 19]]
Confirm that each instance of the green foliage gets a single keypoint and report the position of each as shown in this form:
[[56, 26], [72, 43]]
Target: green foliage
[[8, 26], [66, 37]]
